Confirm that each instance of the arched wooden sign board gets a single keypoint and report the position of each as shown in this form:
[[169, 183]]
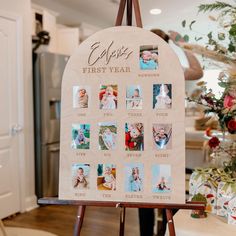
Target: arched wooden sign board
[[122, 120]]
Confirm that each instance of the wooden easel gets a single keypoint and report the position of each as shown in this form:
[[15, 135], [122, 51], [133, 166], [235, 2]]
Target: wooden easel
[[82, 206], [129, 7], [128, 4]]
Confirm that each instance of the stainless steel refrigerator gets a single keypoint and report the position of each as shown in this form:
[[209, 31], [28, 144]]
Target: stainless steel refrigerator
[[48, 70]]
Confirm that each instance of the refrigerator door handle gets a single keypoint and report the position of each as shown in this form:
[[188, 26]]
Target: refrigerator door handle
[[54, 149]]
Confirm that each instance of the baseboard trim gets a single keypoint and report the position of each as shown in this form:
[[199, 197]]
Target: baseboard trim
[[31, 203]]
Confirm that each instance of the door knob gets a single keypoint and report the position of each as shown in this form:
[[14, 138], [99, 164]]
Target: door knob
[[16, 129]]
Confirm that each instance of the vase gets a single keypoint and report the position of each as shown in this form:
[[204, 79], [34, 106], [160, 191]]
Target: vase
[[227, 149], [219, 158]]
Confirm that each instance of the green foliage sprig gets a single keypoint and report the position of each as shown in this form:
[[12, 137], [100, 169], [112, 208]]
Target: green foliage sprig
[[214, 6], [222, 42]]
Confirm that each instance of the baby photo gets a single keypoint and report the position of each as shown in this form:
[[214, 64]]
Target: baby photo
[[162, 96], [161, 179], [134, 137], [134, 97], [107, 135], [80, 136], [108, 97], [106, 177], [80, 176], [81, 95], [134, 175], [162, 136], [148, 59]]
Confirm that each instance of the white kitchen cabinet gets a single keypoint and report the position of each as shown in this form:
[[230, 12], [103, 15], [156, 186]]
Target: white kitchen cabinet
[[67, 40], [50, 25], [63, 39]]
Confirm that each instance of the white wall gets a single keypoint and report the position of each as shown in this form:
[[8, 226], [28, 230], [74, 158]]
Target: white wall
[[73, 16], [210, 76], [22, 8]]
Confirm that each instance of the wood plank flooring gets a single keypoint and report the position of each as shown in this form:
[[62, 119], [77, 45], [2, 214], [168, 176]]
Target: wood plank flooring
[[60, 221]]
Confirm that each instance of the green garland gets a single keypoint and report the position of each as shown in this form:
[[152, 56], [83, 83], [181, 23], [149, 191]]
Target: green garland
[[214, 6]]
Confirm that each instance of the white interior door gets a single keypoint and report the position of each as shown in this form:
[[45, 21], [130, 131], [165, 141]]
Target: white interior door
[[9, 127]]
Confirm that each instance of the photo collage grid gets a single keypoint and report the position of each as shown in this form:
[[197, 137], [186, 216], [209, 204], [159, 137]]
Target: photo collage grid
[[133, 177], [133, 132]]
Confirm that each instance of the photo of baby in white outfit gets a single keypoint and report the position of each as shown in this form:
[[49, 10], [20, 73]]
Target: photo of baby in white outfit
[[162, 96], [110, 181], [107, 135], [108, 97], [106, 177]]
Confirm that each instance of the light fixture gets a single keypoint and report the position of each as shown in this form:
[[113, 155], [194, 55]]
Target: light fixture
[[155, 11]]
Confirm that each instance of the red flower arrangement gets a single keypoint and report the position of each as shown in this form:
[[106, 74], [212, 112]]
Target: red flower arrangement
[[214, 142], [231, 126], [223, 106]]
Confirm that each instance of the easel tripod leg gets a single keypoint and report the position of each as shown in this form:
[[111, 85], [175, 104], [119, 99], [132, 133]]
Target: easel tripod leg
[[129, 12], [79, 220], [121, 11], [122, 221], [170, 221], [137, 14]]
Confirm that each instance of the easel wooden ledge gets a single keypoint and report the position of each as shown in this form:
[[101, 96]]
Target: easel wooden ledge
[[123, 205]]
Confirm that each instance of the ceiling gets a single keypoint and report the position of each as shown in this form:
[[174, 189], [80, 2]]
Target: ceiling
[[102, 13]]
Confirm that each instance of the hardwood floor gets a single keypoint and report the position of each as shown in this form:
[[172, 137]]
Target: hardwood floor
[[60, 221]]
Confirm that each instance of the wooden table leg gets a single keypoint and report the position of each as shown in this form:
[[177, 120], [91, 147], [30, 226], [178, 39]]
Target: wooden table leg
[[4, 233], [170, 221], [79, 220], [122, 221]]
